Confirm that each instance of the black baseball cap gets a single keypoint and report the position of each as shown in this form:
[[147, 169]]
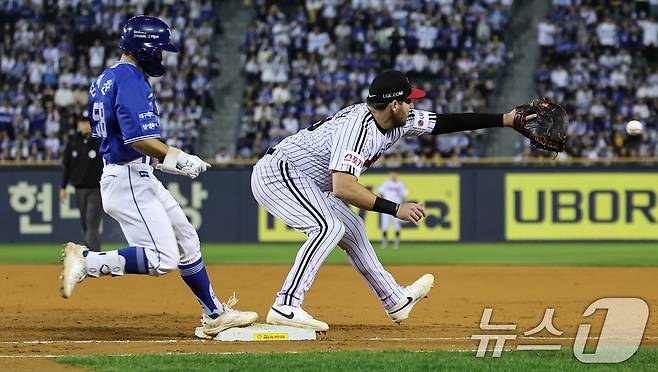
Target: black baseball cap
[[392, 85]]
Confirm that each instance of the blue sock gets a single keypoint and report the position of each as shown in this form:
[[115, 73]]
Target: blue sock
[[136, 262], [196, 277]]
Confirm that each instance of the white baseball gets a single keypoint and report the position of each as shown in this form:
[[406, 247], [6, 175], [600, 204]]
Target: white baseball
[[634, 128]]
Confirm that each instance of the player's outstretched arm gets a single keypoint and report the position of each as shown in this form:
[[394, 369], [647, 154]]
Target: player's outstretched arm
[[173, 160], [450, 123], [347, 188], [542, 121]]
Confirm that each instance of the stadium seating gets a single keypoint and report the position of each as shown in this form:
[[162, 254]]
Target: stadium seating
[[305, 60], [50, 54], [596, 59]]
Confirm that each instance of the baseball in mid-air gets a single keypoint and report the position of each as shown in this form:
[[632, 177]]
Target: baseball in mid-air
[[633, 127]]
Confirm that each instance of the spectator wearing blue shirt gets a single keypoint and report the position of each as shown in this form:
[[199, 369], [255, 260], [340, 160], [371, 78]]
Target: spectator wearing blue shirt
[[37, 117], [7, 114]]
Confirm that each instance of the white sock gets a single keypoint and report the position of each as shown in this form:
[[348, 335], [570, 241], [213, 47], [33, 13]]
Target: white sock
[[104, 263]]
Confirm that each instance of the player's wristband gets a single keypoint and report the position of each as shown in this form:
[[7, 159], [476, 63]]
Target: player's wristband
[[385, 206]]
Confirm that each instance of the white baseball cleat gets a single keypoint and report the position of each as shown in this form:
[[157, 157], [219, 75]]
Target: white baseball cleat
[[411, 295], [294, 317], [74, 270], [230, 318]]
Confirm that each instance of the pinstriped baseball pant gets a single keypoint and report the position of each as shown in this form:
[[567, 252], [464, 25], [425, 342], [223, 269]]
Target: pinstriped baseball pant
[[327, 221]]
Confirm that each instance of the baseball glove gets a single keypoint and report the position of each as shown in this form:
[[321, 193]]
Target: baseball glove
[[546, 131]]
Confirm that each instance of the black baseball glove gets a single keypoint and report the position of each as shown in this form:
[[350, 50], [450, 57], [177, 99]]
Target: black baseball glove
[[547, 130]]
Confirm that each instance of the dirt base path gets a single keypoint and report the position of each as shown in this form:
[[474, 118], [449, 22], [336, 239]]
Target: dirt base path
[[134, 314]]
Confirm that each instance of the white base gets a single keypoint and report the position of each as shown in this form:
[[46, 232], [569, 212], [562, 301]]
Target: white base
[[260, 332]]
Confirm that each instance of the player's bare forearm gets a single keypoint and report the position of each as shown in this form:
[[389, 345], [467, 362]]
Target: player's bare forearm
[[348, 189], [151, 147]]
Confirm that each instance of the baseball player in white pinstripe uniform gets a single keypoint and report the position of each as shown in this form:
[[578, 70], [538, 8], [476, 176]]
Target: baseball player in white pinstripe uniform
[[394, 190], [310, 179]]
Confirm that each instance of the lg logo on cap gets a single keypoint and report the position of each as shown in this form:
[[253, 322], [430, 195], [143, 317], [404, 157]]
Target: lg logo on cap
[[393, 95]]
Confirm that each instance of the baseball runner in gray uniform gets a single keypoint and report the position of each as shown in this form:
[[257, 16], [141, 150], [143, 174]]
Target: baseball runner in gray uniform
[[310, 179]]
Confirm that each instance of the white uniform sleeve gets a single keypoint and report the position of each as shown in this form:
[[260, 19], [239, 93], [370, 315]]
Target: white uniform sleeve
[[419, 122], [349, 145]]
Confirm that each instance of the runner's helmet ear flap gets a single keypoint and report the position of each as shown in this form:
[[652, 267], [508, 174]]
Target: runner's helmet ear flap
[[142, 37], [142, 53]]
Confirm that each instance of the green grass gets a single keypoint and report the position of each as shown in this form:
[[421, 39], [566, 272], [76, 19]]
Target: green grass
[[584, 254], [644, 360]]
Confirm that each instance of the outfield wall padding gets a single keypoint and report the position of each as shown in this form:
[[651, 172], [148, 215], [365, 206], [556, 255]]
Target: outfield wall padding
[[468, 204]]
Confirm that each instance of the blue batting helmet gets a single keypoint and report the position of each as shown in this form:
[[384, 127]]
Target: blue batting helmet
[[142, 37]]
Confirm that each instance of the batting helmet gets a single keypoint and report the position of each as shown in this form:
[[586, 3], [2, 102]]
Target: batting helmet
[[142, 38]]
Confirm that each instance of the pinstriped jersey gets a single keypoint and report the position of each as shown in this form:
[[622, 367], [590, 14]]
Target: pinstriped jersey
[[350, 141]]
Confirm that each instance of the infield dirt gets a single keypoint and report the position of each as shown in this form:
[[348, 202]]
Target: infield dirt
[[133, 314]]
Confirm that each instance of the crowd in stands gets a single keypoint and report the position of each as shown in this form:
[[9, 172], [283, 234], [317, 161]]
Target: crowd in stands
[[599, 59], [304, 60], [51, 50]]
